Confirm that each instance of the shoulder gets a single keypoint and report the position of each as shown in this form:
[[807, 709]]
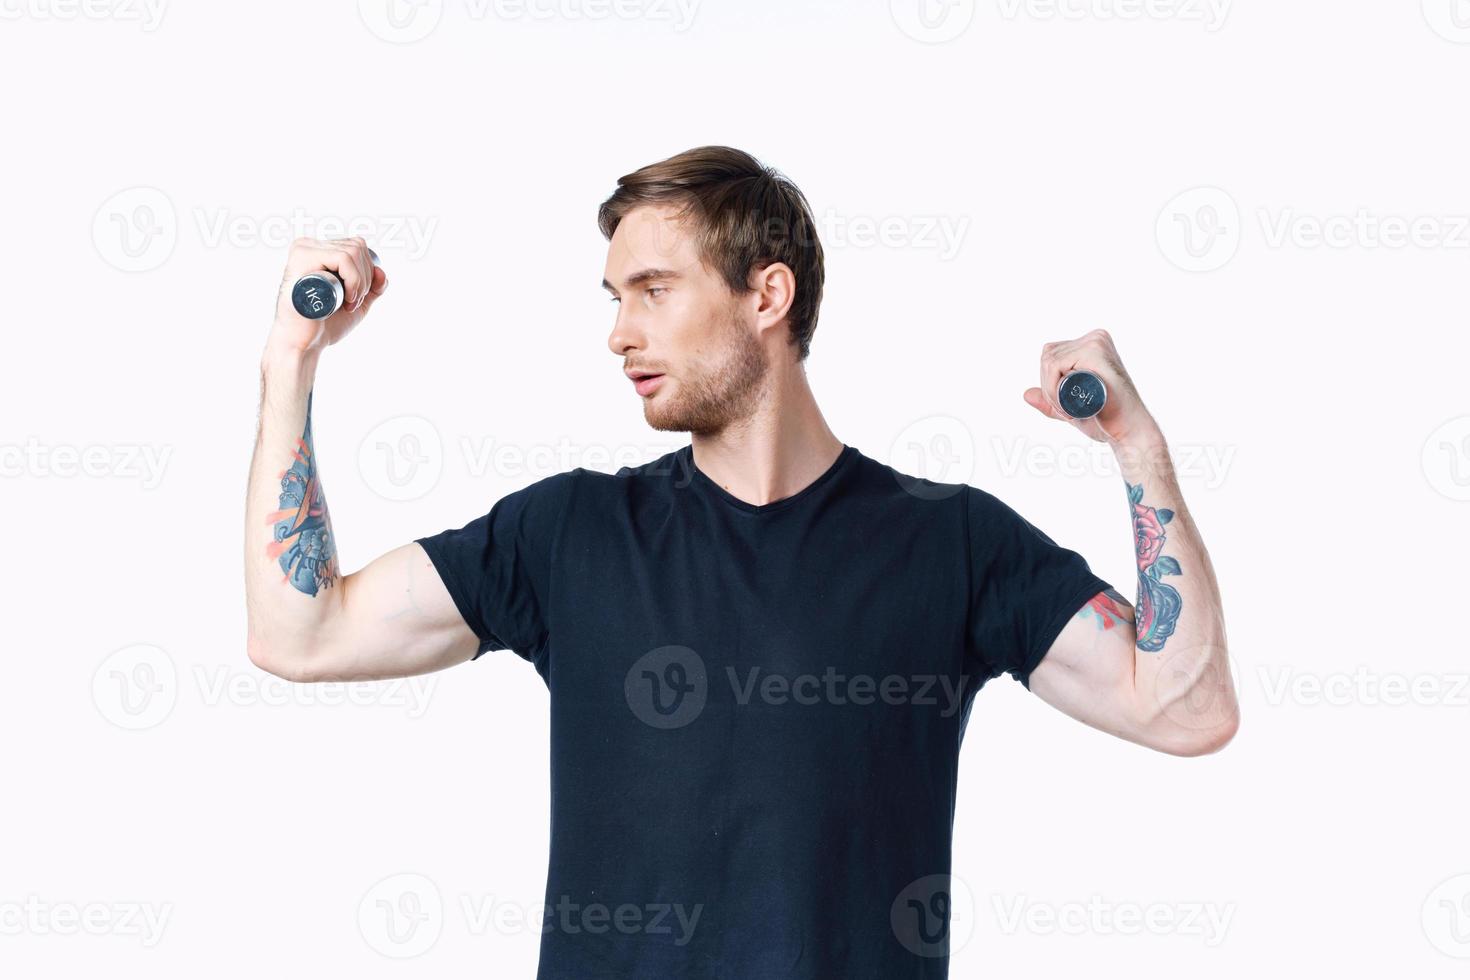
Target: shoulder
[[544, 500], [899, 486], [672, 468], [979, 513]]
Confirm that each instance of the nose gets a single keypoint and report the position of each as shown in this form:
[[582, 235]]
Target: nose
[[626, 335]]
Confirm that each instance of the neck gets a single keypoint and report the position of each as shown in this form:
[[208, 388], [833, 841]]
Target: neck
[[778, 449]]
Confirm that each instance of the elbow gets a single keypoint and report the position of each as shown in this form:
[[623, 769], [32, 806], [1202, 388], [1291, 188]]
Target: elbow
[[1210, 741], [1192, 709], [1191, 743], [271, 658], [1188, 726]]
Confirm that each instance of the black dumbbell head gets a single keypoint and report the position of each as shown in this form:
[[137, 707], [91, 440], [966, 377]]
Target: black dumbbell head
[[1082, 394], [317, 295]]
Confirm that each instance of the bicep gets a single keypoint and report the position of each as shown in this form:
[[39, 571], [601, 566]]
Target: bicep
[[1088, 671], [397, 619]]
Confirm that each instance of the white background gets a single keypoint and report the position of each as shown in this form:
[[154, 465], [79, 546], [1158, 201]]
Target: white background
[[1314, 393]]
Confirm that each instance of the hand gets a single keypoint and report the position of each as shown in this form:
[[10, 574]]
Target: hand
[[362, 284], [1123, 419]]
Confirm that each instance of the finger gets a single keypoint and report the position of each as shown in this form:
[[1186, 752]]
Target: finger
[[367, 303], [375, 283], [351, 276], [1053, 369], [356, 250], [380, 281], [365, 266], [1037, 400], [309, 255]]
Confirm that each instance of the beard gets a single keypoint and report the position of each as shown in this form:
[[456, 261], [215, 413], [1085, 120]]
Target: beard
[[709, 398]]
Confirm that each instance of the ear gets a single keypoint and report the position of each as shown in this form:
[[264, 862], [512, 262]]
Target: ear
[[775, 291]]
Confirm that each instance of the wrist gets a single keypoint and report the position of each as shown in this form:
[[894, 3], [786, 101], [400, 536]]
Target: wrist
[[1142, 451], [283, 360]]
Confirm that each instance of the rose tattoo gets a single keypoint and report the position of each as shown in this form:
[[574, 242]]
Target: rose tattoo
[[1159, 603]]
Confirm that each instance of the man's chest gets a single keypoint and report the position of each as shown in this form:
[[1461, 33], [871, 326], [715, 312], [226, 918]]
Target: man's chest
[[829, 624]]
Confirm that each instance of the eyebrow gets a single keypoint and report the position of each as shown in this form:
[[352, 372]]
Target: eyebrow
[[642, 276]]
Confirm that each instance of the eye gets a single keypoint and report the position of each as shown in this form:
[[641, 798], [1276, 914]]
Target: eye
[[614, 299], [652, 290]]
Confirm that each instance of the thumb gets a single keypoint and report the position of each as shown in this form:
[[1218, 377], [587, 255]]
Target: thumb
[[1037, 400]]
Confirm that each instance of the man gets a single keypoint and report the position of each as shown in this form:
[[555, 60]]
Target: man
[[761, 649]]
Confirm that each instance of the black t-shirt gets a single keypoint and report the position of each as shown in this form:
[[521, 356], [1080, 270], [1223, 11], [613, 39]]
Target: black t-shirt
[[756, 710]]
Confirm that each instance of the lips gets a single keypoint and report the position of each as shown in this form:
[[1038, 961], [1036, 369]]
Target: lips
[[645, 384]]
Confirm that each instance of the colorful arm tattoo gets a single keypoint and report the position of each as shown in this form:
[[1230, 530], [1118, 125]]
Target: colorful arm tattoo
[[304, 543], [1159, 603], [1109, 608]]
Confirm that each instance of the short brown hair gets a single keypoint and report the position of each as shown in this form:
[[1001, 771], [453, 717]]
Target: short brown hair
[[747, 216]]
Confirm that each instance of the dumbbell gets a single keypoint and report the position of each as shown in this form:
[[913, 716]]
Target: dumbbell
[[317, 295], [1082, 394]]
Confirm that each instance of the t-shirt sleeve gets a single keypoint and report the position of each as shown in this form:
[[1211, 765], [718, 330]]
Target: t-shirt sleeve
[[1023, 589], [497, 568]]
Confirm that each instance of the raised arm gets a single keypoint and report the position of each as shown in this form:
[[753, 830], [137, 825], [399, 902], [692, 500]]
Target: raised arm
[[305, 620], [1156, 673]]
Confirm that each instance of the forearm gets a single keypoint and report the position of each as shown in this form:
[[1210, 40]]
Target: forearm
[[291, 570], [1181, 673]]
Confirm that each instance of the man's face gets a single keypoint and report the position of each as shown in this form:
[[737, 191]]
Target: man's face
[[677, 318]]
